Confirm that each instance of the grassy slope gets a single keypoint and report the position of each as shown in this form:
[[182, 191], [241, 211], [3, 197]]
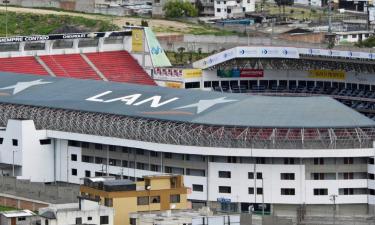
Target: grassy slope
[[27, 23]]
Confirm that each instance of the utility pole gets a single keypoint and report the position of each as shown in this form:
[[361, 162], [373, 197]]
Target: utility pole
[[333, 199], [6, 2], [329, 16]]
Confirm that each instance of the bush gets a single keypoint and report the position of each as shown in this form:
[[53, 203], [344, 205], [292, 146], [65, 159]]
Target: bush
[[176, 9]]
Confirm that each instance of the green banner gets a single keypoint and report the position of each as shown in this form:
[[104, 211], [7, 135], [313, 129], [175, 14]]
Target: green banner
[[158, 56]]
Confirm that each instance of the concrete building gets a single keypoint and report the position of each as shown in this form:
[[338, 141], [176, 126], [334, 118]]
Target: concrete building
[[233, 8], [352, 36], [182, 217], [87, 211], [159, 192], [18, 217]]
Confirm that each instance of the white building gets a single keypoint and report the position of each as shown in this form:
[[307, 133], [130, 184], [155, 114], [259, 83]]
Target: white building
[[233, 8], [84, 212], [82, 132], [18, 217], [182, 217], [352, 36]]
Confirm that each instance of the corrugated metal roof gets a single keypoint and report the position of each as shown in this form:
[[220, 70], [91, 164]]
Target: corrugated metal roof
[[192, 106]]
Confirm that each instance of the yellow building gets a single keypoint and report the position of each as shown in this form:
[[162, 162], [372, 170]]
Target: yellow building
[[155, 193]]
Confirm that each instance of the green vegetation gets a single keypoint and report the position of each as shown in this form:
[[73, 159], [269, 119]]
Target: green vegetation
[[27, 24], [177, 9], [6, 208], [292, 11], [368, 43], [182, 58]]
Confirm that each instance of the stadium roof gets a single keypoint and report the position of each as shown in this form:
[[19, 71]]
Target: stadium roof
[[191, 106]]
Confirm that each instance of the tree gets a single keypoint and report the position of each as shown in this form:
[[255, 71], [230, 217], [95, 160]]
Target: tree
[[283, 3], [181, 52], [176, 9]]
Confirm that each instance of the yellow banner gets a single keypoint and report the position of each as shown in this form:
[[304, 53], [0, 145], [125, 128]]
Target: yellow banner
[[191, 73], [137, 40], [173, 84], [327, 74]]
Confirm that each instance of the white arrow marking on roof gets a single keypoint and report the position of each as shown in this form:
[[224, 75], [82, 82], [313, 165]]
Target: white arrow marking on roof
[[20, 86], [203, 105]]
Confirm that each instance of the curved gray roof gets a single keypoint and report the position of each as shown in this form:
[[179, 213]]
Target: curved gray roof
[[192, 106]]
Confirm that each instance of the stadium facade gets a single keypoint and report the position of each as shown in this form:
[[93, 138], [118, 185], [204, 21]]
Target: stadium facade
[[243, 149], [234, 150]]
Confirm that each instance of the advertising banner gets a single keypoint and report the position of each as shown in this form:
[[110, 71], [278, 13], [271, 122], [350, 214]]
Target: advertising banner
[[173, 84], [327, 74], [158, 56], [137, 40], [191, 73], [251, 73]]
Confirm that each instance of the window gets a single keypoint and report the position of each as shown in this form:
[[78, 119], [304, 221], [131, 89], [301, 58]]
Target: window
[[318, 161], [155, 168], [198, 187], [348, 160], [192, 85], [74, 172], [73, 157], [370, 176], [1, 141], [108, 202], [259, 176], [259, 191], [348, 176], [21, 218], [98, 146], [286, 176], [155, 199], [224, 174], [45, 141], [225, 189], [251, 190], [318, 176], [85, 145], [229, 11], [154, 154], [354, 36], [288, 191], [46, 222], [79, 220], [73, 143], [370, 160], [289, 161], [345, 36], [250, 175], [218, 10], [320, 191], [112, 148], [104, 220], [195, 172], [141, 166], [168, 155], [89, 218], [87, 173], [15, 142], [140, 152], [88, 159], [261, 160], [346, 191], [175, 198], [142, 200]]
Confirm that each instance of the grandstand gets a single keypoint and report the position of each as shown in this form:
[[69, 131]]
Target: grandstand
[[108, 56], [285, 141]]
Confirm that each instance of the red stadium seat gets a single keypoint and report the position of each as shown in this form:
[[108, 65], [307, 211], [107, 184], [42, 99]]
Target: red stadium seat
[[120, 66], [71, 65], [25, 65]]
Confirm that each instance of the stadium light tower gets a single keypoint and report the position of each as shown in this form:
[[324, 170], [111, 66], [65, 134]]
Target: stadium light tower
[[6, 2]]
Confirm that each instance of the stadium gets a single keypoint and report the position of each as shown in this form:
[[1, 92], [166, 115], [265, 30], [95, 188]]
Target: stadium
[[283, 129]]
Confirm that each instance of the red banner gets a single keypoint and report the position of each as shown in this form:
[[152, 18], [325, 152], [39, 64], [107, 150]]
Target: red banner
[[251, 73]]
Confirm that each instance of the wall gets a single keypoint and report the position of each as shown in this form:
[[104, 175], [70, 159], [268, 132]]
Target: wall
[[20, 203]]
